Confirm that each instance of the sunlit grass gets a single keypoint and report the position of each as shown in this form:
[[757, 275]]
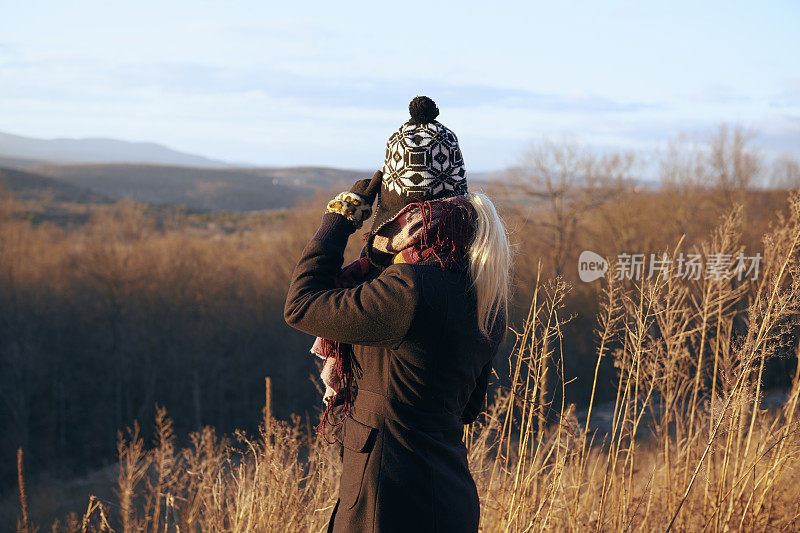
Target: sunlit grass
[[689, 447]]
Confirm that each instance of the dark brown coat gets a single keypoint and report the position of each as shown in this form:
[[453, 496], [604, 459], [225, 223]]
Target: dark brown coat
[[422, 370]]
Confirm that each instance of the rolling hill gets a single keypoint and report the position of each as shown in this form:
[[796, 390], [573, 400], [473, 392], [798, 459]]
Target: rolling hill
[[235, 189], [154, 174], [29, 186], [16, 149]]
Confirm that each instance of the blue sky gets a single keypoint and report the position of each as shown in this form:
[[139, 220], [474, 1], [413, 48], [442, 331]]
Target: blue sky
[[325, 83]]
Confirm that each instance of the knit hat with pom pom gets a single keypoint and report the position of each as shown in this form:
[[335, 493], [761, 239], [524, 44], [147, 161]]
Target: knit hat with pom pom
[[423, 162]]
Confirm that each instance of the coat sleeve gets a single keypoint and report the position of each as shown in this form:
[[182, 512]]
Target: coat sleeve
[[475, 403], [476, 400], [375, 313]]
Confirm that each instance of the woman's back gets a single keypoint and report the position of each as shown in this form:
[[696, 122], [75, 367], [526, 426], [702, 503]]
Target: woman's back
[[421, 368], [436, 364], [422, 478], [407, 332]]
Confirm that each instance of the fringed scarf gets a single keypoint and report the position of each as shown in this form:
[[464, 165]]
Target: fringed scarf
[[436, 232]]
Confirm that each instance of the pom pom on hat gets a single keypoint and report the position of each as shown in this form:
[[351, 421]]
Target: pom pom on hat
[[423, 110]]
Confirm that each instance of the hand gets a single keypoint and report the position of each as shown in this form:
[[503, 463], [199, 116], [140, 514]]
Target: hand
[[356, 204], [368, 188]]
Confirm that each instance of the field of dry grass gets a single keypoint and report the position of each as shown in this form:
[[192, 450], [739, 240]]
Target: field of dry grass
[[617, 405], [690, 447]]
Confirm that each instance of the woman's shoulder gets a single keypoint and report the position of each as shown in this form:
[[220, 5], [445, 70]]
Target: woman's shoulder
[[435, 286], [420, 273]]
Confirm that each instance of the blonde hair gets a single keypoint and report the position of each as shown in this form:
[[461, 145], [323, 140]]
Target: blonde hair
[[489, 263]]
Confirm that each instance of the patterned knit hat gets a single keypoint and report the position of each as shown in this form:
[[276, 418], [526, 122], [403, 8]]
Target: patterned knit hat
[[423, 162]]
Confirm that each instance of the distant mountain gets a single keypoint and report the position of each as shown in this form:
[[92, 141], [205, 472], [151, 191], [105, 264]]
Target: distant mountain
[[235, 189], [15, 149], [29, 186]]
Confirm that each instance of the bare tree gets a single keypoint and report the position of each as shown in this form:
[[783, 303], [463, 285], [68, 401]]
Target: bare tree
[[733, 165], [683, 166], [785, 172], [559, 183], [683, 172]]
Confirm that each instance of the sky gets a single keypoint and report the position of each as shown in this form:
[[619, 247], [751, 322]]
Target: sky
[[326, 83]]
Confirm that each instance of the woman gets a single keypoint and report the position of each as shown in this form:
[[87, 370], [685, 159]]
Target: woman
[[408, 332]]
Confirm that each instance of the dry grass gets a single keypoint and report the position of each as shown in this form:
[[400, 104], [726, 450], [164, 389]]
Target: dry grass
[[128, 305], [121, 306], [689, 447]]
